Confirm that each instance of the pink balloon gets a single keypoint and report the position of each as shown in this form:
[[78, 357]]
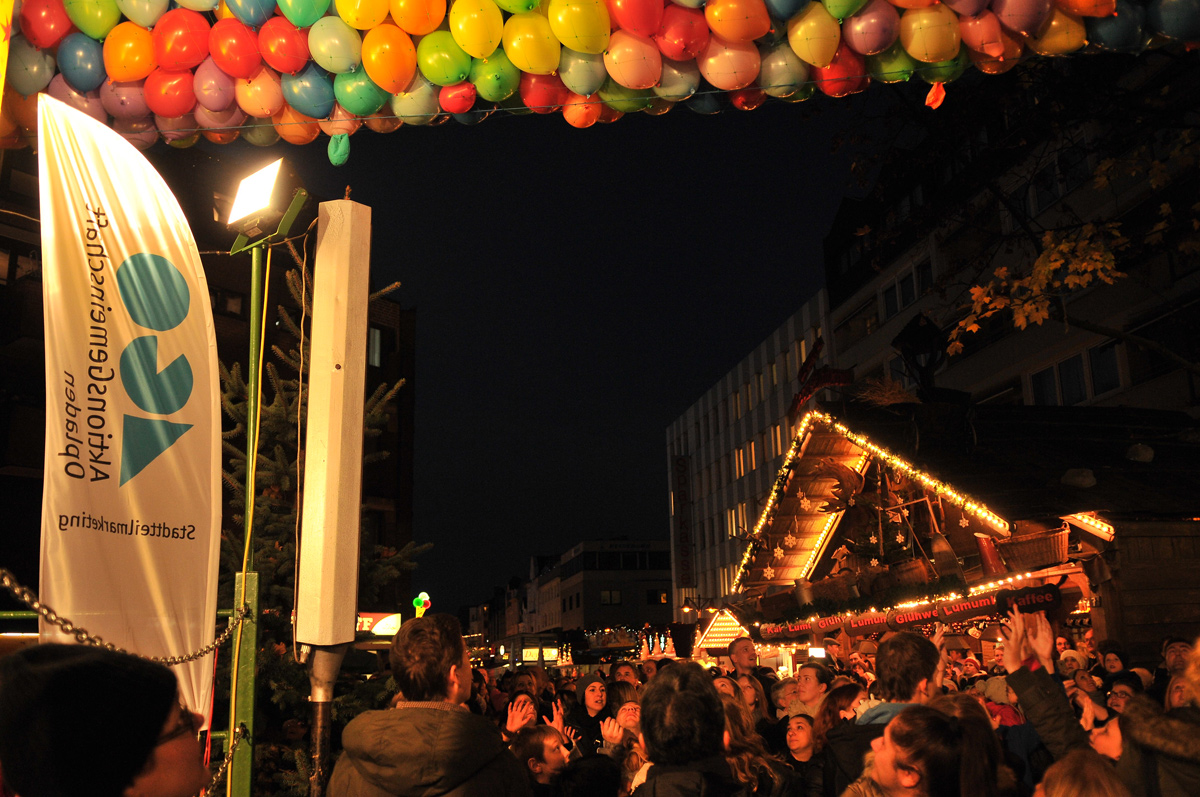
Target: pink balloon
[[140, 132], [88, 102], [124, 100], [232, 116], [1023, 16], [982, 34], [260, 95], [873, 29], [967, 8], [175, 128], [339, 122], [729, 65], [846, 74], [214, 89], [633, 60]]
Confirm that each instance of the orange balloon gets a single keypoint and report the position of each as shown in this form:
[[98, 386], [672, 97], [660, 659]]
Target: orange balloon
[[997, 65], [738, 20], [128, 53], [23, 109], [383, 121], [1088, 8], [340, 122], [294, 127], [418, 17], [579, 111], [1064, 34], [912, 3], [729, 65], [223, 11], [389, 57], [222, 136]]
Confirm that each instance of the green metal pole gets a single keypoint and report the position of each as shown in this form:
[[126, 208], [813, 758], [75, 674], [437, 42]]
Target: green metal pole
[[258, 290], [241, 768]]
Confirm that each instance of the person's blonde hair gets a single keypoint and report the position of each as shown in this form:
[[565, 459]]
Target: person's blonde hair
[[746, 755], [1083, 773]]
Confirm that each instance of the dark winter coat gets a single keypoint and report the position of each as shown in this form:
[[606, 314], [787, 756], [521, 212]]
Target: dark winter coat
[[1160, 752], [425, 750], [848, 742], [810, 772], [589, 739], [708, 778]]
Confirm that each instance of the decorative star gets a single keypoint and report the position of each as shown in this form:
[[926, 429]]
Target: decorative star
[[874, 539], [874, 563], [769, 573], [904, 511], [790, 541], [900, 538], [778, 552], [962, 521], [805, 504]]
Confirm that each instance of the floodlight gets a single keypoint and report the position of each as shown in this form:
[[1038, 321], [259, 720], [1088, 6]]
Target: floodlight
[[270, 196]]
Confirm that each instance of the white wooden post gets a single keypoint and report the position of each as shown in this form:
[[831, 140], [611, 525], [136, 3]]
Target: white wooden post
[[329, 542]]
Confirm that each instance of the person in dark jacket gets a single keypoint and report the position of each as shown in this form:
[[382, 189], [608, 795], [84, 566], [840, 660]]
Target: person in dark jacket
[[588, 716], [801, 756], [428, 744], [683, 733]]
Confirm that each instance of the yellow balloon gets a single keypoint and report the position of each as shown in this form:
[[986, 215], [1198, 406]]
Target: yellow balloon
[[931, 33], [530, 44], [476, 26], [1064, 34], [814, 35], [223, 11], [582, 25], [362, 14]]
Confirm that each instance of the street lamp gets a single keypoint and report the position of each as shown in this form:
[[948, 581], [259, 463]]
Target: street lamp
[[270, 196], [698, 605]]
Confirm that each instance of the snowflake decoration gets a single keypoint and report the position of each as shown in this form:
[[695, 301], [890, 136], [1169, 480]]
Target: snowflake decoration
[[769, 573], [790, 541], [904, 511], [874, 563], [874, 539], [900, 538], [778, 552], [805, 504], [962, 521]]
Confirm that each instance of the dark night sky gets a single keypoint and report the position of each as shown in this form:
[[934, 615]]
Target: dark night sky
[[576, 290]]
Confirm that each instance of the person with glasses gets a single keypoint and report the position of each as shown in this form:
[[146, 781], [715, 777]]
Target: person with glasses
[[80, 720]]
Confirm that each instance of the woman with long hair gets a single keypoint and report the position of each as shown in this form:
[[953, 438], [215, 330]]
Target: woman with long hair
[[838, 707], [754, 697], [759, 774], [925, 753]]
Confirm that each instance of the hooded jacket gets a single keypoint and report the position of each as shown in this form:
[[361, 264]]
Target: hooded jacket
[[708, 778], [425, 750]]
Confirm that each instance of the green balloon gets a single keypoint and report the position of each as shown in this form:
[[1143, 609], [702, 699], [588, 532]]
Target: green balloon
[[623, 99], [893, 65], [303, 13], [184, 143], [801, 94], [517, 6], [840, 9], [94, 17], [261, 133], [515, 106], [441, 60], [946, 71], [358, 94], [495, 77]]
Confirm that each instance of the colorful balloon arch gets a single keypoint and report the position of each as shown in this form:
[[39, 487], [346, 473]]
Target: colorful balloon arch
[[224, 68]]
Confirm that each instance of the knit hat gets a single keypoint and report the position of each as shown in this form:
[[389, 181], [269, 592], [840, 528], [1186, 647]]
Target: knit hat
[[79, 720], [583, 683], [996, 690], [1075, 656]]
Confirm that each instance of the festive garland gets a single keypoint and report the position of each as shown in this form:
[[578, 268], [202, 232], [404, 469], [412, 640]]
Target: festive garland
[[224, 68]]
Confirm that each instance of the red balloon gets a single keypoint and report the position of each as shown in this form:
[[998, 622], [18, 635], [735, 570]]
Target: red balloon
[[457, 98], [542, 93], [44, 22], [747, 99], [180, 40], [234, 48], [222, 136], [682, 34], [169, 94], [608, 115], [284, 46], [642, 17], [846, 73]]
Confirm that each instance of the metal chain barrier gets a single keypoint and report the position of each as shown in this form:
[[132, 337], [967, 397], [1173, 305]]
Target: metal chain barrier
[[30, 599], [219, 775]]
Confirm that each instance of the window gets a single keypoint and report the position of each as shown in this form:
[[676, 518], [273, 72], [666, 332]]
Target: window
[[777, 438], [750, 455], [758, 381], [610, 597], [375, 346], [1076, 379], [656, 596], [739, 462], [858, 325], [909, 286], [774, 374]]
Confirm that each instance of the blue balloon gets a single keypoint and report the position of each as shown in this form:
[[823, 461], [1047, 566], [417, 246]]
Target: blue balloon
[[706, 100], [252, 12], [1175, 19], [785, 9], [1122, 32], [479, 111], [310, 91], [81, 61], [29, 69]]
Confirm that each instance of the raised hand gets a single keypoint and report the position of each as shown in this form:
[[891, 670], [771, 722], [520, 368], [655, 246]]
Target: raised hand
[[611, 731], [556, 717], [1014, 641], [519, 718], [1041, 640]]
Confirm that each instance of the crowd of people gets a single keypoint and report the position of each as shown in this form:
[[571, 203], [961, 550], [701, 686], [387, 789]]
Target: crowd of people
[[907, 716]]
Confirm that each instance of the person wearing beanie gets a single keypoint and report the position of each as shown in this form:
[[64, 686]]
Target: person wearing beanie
[[54, 697], [590, 712]]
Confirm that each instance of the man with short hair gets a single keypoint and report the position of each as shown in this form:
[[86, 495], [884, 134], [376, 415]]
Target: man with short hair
[[833, 654], [906, 669], [683, 733], [1175, 652], [428, 743], [744, 657], [624, 671], [539, 748]]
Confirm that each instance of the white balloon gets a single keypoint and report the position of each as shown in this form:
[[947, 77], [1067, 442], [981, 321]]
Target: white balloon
[[680, 79], [417, 104]]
